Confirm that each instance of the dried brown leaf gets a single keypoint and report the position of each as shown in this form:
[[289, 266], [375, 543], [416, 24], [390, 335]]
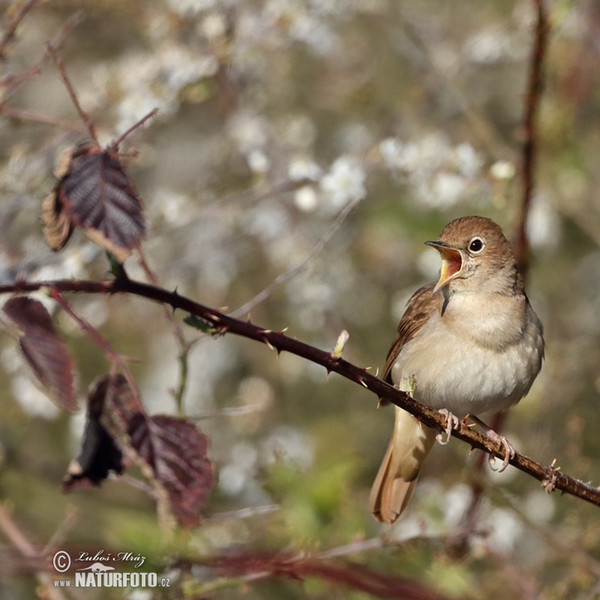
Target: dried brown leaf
[[44, 349], [57, 226], [176, 451], [99, 453], [94, 192], [172, 451]]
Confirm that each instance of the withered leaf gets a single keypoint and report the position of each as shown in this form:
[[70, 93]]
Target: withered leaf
[[57, 225], [94, 192], [176, 451], [44, 349], [99, 454], [173, 449]]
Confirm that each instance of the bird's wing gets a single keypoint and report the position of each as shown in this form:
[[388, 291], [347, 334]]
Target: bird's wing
[[418, 309]]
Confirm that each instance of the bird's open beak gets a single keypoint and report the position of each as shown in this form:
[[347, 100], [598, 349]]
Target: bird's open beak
[[452, 263]]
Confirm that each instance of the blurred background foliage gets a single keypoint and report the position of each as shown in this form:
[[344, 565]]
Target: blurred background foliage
[[284, 124]]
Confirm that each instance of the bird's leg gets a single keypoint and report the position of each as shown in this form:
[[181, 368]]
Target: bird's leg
[[452, 422], [509, 451]]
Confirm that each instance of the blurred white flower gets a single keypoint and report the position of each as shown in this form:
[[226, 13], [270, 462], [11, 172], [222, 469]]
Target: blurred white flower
[[314, 32], [506, 530], [214, 25], [468, 160], [446, 190], [31, 399], [502, 169], [543, 224], [249, 131], [288, 444], [267, 221], [455, 503], [344, 183], [189, 8], [258, 161], [180, 66], [391, 150], [172, 206], [306, 198], [539, 506], [303, 168], [492, 45], [234, 476]]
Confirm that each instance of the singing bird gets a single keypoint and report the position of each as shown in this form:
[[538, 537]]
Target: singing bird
[[469, 344]]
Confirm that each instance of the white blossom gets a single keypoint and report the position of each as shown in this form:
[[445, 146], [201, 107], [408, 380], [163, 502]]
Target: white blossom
[[344, 183]]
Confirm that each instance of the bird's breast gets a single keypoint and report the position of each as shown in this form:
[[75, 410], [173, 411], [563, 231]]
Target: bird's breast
[[475, 358]]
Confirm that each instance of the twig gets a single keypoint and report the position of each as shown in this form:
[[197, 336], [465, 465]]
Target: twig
[[480, 125], [70, 520], [9, 33], [283, 277], [118, 361], [12, 82], [120, 139], [184, 346], [529, 154], [243, 513], [72, 94], [26, 549], [547, 474], [24, 114]]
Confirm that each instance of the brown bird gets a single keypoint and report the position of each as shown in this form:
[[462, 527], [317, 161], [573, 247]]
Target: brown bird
[[469, 344]]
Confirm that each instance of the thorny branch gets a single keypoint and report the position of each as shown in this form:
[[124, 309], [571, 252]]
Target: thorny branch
[[549, 475]]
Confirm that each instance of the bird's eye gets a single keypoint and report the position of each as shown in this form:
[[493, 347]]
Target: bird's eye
[[476, 245]]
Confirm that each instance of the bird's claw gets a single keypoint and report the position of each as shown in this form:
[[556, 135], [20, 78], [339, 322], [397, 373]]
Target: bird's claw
[[509, 451], [452, 422]]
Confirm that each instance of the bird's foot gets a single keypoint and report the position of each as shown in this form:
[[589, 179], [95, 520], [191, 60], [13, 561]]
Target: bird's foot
[[505, 445], [452, 422]]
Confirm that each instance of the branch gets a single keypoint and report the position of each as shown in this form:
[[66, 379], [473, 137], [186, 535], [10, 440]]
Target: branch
[[549, 475], [9, 33], [534, 95]]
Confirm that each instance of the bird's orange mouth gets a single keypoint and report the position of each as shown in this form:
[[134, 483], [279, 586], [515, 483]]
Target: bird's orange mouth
[[452, 262]]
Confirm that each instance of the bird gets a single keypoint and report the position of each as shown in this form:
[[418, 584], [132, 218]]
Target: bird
[[469, 344]]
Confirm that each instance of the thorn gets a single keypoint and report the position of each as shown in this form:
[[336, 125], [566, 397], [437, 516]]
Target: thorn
[[282, 332], [377, 372], [362, 382], [268, 343]]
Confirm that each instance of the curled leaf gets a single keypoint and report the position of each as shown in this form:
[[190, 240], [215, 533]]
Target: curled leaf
[[172, 451], [44, 349], [99, 453], [94, 192]]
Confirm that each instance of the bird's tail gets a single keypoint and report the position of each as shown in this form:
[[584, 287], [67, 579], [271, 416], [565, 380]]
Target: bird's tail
[[410, 444]]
